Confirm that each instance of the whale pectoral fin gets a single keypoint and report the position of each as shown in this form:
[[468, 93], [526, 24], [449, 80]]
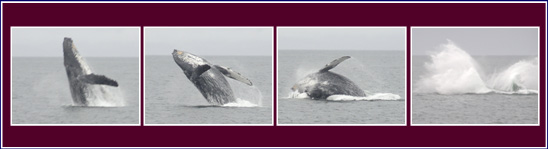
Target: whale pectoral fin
[[233, 74], [98, 79], [199, 71], [334, 63]]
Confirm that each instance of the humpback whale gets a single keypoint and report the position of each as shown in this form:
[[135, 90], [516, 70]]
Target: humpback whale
[[208, 78], [324, 83], [80, 76]]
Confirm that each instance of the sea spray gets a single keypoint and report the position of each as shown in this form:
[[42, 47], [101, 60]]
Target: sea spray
[[372, 96], [105, 96], [260, 102], [246, 96], [297, 94], [375, 96], [240, 103], [519, 77], [453, 71]]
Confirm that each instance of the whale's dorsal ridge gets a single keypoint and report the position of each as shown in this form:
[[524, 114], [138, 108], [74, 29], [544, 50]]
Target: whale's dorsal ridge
[[334, 63], [233, 74]]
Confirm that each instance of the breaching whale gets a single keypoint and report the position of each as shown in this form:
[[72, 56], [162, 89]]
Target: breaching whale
[[208, 78], [324, 83], [80, 76]]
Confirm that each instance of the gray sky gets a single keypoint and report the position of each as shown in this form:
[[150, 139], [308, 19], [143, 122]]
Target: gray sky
[[341, 38], [477, 41], [209, 40], [90, 42]]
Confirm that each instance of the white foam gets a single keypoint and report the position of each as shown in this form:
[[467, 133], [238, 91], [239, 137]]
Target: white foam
[[522, 75], [453, 71], [376, 96], [105, 96], [240, 103], [297, 94]]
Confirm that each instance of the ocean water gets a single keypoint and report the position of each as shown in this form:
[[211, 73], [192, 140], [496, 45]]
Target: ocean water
[[373, 71], [170, 98], [41, 93], [453, 87]]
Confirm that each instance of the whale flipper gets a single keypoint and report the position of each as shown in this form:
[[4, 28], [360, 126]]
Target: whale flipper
[[334, 63], [97, 79], [233, 74], [199, 71]]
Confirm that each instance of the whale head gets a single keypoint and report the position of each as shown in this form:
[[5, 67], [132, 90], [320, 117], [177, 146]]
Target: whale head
[[305, 83], [72, 58], [69, 50], [188, 61]]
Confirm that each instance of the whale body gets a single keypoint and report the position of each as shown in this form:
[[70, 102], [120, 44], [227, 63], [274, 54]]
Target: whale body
[[81, 78], [324, 83], [209, 78]]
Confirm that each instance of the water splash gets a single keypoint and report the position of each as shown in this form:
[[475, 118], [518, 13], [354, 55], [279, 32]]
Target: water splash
[[372, 96], [297, 94], [521, 77], [454, 71], [105, 96], [376, 96], [240, 103]]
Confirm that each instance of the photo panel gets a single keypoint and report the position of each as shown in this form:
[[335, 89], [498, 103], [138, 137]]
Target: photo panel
[[481, 76], [209, 76], [341, 76], [75, 76]]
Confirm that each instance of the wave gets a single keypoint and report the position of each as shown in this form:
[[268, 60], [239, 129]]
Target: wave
[[454, 71]]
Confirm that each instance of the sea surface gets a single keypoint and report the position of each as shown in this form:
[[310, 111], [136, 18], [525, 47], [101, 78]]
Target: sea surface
[[41, 93], [170, 98], [373, 71], [465, 106]]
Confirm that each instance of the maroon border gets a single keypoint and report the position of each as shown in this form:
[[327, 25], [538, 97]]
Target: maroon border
[[142, 116], [273, 14]]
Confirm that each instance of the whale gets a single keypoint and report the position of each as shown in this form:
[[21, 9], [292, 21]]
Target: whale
[[80, 76], [209, 78], [324, 83]]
